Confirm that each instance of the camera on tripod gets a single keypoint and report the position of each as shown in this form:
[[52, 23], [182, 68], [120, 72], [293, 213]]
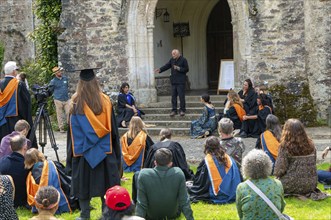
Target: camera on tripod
[[42, 119], [41, 93]]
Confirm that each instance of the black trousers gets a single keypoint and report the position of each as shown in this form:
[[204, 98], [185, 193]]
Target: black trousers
[[178, 90]]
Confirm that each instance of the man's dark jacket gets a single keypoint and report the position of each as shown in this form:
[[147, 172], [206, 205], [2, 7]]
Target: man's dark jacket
[[13, 165], [177, 76]]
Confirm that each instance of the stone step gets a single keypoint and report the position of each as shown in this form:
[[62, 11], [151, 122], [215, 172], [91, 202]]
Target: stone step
[[191, 110], [167, 104], [193, 98], [168, 124], [166, 117], [155, 131]]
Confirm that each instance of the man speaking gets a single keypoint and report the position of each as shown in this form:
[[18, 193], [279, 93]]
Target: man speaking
[[179, 68]]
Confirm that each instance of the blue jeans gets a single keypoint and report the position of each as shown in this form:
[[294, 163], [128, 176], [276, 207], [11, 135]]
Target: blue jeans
[[324, 177]]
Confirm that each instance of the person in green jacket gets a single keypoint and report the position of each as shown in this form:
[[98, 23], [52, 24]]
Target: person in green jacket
[[162, 190]]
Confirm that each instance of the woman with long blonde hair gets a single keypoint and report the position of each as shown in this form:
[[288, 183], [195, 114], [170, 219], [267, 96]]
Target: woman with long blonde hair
[[135, 145], [296, 162], [235, 110], [93, 151]]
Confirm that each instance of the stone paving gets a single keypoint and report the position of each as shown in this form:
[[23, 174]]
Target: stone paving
[[194, 147]]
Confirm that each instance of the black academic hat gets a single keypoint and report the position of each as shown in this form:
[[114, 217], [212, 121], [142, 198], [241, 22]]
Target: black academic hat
[[86, 74]]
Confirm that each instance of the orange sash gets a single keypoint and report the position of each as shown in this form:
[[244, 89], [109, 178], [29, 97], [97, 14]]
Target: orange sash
[[240, 111], [7, 94], [216, 180], [100, 123], [272, 143], [31, 185], [131, 153]]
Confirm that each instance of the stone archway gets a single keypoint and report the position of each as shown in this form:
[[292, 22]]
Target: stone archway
[[141, 52]]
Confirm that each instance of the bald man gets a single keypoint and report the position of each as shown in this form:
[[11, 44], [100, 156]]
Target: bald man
[[179, 68]]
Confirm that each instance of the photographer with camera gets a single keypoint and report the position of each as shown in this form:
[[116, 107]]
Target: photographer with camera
[[59, 87], [15, 102]]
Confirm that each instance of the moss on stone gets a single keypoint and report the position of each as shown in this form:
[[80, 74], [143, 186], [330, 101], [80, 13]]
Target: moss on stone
[[294, 101]]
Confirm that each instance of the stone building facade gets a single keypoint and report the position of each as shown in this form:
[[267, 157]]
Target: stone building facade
[[273, 41]]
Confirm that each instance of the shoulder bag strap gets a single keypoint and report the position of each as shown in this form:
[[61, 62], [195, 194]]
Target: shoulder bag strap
[[265, 198]]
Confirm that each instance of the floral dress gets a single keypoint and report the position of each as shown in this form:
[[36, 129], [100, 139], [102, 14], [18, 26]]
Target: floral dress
[[207, 122], [7, 210]]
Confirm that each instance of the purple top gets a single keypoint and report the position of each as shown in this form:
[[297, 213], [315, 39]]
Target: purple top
[[5, 148]]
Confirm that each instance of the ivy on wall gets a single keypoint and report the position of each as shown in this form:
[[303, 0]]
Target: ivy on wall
[[45, 36], [2, 54], [294, 101]]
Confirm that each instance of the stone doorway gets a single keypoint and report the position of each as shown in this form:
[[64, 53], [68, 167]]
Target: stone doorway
[[150, 41]]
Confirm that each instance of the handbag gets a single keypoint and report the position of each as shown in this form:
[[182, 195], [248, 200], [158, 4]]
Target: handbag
[[280, 215]]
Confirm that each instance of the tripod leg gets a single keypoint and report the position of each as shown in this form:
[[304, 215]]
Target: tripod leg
[[51, 134], [36, 123]]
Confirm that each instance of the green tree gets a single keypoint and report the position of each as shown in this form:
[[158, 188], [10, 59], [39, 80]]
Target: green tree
[[45, 36]]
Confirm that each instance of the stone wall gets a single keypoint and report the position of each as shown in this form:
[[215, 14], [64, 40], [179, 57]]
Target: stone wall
[[16, 22], [318, 52], [94, 37]]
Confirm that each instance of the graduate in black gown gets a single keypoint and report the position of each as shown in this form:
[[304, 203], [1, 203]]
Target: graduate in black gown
[[126, 106], [15, 102], [248, 97], [259, 118], [93, 148], [179, 157]]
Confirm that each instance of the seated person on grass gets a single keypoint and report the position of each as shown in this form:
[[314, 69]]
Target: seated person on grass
[[13, 165], [257, 168], [271, 137], [233, 146], [324, 176], [217, 176], [179, 158], [21, 127], [135, 145], [47, 202], [43, 173], [162, 191], [118, 205]]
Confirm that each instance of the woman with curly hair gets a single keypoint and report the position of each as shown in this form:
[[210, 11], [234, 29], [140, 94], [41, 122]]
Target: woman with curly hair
[[296, 162], [135, 145], [217, 176], [256, 167]]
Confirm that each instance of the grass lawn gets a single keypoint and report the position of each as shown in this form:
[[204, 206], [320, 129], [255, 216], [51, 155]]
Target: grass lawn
[[296, 208]]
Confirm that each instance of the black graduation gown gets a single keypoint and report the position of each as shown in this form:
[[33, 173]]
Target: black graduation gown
[[178, 154], [123, 113], [199, 191], [256, 126], [233, 116], [87, 182], [24, 110], [250, 100]]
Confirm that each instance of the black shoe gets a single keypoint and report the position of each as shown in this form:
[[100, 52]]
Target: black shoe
[[243, 134], [172, 114], [182, 114]]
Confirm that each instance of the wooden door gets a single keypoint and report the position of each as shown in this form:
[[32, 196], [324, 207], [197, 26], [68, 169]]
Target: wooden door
[[219, 40]]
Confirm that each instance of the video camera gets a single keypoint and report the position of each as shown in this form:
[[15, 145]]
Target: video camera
[[41, 93]]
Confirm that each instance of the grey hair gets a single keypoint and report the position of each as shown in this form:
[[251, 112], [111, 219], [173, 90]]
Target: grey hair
[[256, 165], [225, 125]]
